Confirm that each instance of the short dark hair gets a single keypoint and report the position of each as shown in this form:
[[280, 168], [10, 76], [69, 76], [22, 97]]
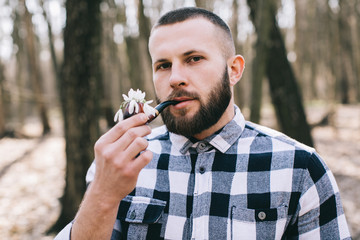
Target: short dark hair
[[186, 13], [182, 14]]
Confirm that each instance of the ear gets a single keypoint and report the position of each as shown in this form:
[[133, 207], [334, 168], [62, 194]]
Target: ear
[[236, 65]]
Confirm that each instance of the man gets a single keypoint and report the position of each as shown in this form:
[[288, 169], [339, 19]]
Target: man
[[208, 174]]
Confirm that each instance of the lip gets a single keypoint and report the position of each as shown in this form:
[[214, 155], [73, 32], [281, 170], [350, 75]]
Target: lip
[[182, 99], [183, 102]]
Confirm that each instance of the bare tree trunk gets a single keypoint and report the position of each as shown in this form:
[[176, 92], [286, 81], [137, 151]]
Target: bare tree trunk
[[81, 75], [110, 62], [336, 51], [346, 52], [140, 73], [354, 25], [133, 53], [51, 45], [114, 74], [206, 4], [20, 62], [263, 25], [239, 88], [307, 59], [34, 70], [357, 36], [145, 58], [2, 110], [284, 90]]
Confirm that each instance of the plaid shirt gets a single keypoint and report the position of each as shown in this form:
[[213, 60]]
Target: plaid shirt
[[243, 182]]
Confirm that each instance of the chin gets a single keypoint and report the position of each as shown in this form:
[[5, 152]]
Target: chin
[[184, 113]]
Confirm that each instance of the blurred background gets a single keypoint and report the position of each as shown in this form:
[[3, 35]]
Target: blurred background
[[64, 65]]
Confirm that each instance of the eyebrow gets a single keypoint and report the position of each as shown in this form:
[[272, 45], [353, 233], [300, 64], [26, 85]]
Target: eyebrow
[[185, 54]]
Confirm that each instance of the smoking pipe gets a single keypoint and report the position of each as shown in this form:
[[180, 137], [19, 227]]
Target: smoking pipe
[[159, 108]]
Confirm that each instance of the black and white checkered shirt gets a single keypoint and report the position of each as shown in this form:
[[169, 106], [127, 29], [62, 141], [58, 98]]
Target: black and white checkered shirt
[[244, 182]]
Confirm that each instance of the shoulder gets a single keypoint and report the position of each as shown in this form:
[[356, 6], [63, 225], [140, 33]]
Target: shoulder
[[264, 139], [285, 152], [275, 139]]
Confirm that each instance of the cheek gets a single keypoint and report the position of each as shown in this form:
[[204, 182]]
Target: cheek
[[160, 89]]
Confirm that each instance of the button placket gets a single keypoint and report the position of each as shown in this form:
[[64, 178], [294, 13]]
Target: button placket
[[202, 185]]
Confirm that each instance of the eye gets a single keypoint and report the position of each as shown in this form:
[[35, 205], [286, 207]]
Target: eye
[[195, 59], [163, 66]]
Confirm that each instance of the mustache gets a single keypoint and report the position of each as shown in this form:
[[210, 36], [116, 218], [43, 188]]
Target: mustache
[[183, 93], [180, 93]]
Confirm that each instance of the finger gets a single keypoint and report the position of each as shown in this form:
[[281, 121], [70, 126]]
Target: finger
[[129, 136], [120, 128], [138, 145], [142, 160]]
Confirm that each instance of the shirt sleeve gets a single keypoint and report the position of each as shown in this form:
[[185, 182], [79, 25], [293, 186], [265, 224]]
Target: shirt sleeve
[[64, 234], [321, 215], [66, 231]]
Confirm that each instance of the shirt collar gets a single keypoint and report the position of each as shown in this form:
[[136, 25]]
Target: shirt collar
[[221, 140]]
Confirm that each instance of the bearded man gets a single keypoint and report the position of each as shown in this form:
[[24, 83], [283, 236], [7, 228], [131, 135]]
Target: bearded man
[[206, 174]]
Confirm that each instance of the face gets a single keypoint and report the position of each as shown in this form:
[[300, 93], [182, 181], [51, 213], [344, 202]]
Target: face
[[209, 113], [188, 65]]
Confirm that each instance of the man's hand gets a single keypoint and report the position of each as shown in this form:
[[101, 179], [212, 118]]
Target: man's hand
[[120, 154], [117, 158]]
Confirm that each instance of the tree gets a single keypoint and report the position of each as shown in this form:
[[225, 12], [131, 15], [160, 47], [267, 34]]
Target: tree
[[239, 88], [263, 25], [20, 63], [140, 73], [79, 96], [207, 4], [34, 70], [285, 94], [51, 45], [2, 110], [347, 83]]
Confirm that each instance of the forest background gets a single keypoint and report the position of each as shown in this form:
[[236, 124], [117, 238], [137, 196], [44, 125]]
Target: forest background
[[64, 66]]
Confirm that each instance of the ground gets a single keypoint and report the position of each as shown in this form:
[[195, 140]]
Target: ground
[[32, 172]]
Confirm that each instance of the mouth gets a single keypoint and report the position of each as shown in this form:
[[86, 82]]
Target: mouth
[[182, 102], [182, 99]]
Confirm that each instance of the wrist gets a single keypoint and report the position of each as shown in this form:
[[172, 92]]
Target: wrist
[[105, 202]]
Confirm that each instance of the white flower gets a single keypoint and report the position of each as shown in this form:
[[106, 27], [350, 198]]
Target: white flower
[[131, 101], [138, 96], [149, 110], [119, 115], [133, 106]]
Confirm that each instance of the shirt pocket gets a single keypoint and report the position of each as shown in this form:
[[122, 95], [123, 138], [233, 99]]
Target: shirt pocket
[[265, 223], [137, 216], [135, 209]]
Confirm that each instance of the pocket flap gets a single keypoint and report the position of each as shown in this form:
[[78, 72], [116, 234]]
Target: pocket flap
[[135, 209], [259, 215]]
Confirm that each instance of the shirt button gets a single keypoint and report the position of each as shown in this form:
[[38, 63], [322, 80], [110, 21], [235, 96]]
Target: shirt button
[[202, 170], [201, 146], [261, 215], [132, 215]]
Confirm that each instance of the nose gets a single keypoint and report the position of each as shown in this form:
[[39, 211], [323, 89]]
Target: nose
[[178, 76]]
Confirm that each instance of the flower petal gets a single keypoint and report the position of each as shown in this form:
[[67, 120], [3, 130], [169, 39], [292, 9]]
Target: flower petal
[[126, 98], [136, 107], [149, 110], [132, 106], [118, 116]]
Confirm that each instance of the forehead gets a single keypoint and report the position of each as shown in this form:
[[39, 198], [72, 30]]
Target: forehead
[[196, 33]]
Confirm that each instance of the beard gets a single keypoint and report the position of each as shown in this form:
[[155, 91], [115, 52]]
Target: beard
[[210, 111]]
